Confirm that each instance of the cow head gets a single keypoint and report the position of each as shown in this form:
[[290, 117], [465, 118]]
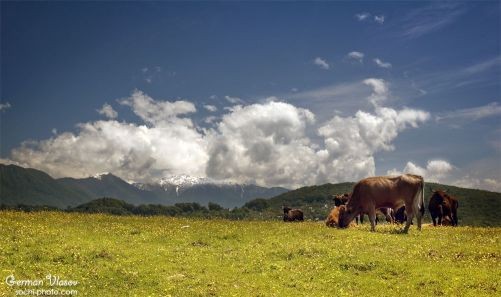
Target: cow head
[[346, 215], [333, 218], [286, 209], [341, 199]]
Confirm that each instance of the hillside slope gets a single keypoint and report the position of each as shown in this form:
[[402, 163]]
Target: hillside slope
[[20, 185], [476, 207]]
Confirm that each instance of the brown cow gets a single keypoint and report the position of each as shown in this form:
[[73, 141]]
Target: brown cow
[[442, 205], [333, 218], [383, 191], [291, 215], [386, 211]]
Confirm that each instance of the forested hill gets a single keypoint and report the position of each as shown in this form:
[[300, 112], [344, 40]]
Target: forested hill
[[476, 207]]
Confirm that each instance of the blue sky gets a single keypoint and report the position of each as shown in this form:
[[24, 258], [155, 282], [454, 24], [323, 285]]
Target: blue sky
[[60, 62]]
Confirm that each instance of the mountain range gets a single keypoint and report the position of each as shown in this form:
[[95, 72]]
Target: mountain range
[[29, 186]]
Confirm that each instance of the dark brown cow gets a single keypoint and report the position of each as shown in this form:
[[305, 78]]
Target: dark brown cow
[[341, 199], [291, 215], [382, 191], [441, 206]]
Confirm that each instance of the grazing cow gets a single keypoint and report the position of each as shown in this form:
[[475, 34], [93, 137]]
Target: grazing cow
[[291, 215], [442, 205], [386, 211], [400, 215], [383, 191]]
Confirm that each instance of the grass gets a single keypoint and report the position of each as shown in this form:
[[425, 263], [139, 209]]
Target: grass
[[162, 256]]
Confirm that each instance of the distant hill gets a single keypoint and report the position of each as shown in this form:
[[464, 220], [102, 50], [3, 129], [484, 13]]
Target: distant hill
[[20, 185], [476, 207], [108, 185]]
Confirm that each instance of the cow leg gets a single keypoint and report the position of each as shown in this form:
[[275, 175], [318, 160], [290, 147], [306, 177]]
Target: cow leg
[[419, 217], [440, 220], [356, 218], [434, 219], [410, 216], [361, 218], [388, 216], [372, 219], [454, 218]]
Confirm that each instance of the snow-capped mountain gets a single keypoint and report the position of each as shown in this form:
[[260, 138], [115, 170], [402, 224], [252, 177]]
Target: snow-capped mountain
[[35, 187], [185, 188]]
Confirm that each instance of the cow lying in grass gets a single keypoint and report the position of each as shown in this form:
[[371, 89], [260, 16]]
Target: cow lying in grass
[[291, 215]]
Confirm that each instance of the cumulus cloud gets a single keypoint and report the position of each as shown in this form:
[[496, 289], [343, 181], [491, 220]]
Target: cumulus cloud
[[379, 19], [380, 90], [263, 143], [382, 64], [4, 106], [234, 100], [168, 145], [210, 108], [159, 112], [108, 111], [482, 175], [362, 16], [435, 171], [358, 56], [268, 143], [322, 63]]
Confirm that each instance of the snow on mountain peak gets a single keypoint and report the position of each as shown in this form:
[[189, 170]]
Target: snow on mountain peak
[[100, 175], [185, 180]]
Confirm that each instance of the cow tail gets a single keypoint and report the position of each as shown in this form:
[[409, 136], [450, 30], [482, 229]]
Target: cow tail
[[422, 210]]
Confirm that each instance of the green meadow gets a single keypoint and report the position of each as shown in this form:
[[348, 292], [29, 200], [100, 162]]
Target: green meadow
[[163, 256]]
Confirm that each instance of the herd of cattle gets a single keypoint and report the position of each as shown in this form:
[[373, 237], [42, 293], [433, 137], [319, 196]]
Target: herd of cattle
[[398, 198]]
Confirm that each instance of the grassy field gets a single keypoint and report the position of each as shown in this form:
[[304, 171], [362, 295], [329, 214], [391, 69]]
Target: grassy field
[[161, 256]]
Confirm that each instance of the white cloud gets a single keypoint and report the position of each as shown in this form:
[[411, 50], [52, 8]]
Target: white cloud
[[482, 66], [382, 64], [430, 18], [356, 56], [107, 111], [159, 112], [483, 175], [210, 108], [210, 119], [322, 63], [379, 19], [472, 114], [435, 170], [234, 100], [171, 145], [380, 90], [4, 106], [265, 143], [362, 16]]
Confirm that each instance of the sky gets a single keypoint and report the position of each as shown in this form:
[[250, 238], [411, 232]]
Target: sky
[[272, 93]]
